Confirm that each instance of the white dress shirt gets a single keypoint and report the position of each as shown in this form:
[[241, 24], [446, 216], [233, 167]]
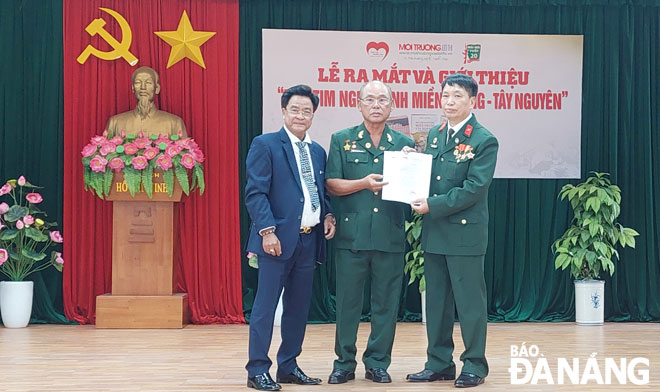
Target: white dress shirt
[[309, 218]]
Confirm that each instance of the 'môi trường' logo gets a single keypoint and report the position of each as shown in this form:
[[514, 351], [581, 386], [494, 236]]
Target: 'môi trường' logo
[[378, 49]]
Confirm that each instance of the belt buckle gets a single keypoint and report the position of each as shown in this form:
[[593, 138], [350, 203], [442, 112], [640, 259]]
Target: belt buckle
[[305, 230]]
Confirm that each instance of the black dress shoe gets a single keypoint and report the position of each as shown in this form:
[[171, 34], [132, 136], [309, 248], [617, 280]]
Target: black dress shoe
[[340, 376], [467, 380], [297, 377], [263, 382], [378, 375], [427, 375]]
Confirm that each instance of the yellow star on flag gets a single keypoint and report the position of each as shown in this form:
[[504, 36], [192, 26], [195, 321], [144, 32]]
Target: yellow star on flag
[[185, 42]]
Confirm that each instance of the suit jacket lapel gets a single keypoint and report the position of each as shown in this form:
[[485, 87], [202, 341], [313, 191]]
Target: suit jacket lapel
[[317, 163], [290, 157]]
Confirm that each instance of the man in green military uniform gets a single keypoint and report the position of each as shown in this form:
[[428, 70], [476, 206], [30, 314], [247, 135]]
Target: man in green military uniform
[[370, 239], [455, 236]]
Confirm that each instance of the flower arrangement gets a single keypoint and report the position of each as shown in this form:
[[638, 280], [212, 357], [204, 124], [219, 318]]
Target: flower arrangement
[[137, 156], [25, 239]]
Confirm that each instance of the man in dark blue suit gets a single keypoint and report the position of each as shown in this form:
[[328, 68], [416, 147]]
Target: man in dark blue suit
[[291, 219]]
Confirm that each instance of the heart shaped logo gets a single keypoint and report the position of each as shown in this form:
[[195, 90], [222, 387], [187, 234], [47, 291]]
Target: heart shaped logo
[[378, 49]]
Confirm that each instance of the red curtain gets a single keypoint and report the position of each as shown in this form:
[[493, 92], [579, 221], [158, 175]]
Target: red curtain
[[207, 101]]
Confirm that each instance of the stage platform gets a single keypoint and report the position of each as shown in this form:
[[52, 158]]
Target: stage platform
[[212, 358]]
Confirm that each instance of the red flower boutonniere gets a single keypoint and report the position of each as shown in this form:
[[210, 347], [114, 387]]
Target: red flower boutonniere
[[463, 152]]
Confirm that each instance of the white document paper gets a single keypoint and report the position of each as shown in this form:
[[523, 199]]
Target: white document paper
[[408, 176]]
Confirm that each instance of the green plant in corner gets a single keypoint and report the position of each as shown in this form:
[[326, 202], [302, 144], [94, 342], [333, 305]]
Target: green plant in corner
[[588, 245], [415, 257]]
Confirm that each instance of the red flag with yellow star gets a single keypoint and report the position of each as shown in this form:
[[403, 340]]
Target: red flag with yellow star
[[193, 45]]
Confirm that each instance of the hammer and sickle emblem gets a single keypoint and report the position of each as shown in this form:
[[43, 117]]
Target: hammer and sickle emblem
[[120, 49]]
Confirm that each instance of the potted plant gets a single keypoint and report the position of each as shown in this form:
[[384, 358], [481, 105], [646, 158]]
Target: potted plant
[[588, 245], [415, 257], [26, 246]]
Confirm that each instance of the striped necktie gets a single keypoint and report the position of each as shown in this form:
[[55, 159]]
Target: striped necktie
[[307, 175]]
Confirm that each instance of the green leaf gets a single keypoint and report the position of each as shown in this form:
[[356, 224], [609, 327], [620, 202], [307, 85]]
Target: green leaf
[[8, 234], [107, 181], [33, 255], [182, 177], [35, 234], [15, 213], [148, 180], [133, 179], [198, 172], [168, 177]]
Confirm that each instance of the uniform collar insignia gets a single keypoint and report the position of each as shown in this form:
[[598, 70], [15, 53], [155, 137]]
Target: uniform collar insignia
[[468, 130], [361, 134], [442, 126]]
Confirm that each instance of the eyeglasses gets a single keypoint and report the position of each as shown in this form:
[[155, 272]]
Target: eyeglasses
[[305, 113], [370, 101]]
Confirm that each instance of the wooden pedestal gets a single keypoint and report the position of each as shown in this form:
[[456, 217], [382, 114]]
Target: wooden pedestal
[[143, 267]]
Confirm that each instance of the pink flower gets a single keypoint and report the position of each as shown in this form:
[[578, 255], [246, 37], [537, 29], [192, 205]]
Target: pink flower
[[88, 150], [198, 155], [21, 181], [141, 134], [55, 236], [107, 148], [172, 150], [98, 164], [130, 148], [5, 189], [150, 153], [117, 140], [4, 255], [59, 258], [34, 198], [183, 143], [139, 162], [163, 139], [192, 145], [142, 142], [19, 224], [4, 207], [188, 161], [164, 162], [105, 133], [28, 220], [116, 164], [98, 140]]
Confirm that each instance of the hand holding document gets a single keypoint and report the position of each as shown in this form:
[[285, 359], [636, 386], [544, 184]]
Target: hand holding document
[[408, 176]]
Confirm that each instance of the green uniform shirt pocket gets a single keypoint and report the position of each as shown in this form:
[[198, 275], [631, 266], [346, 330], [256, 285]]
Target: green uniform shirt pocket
[[467, 230], [456, 170], [347, 226]]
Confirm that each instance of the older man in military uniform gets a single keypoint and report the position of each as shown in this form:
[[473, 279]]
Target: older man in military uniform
[[370, 237], [455, 236], [146, 117]]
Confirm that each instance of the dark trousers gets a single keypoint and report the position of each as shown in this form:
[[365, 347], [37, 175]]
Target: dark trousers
[[296, 276], [386, 272], [456, 281]]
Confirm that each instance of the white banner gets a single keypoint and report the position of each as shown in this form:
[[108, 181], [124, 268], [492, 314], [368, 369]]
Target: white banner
[[530, 87]]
